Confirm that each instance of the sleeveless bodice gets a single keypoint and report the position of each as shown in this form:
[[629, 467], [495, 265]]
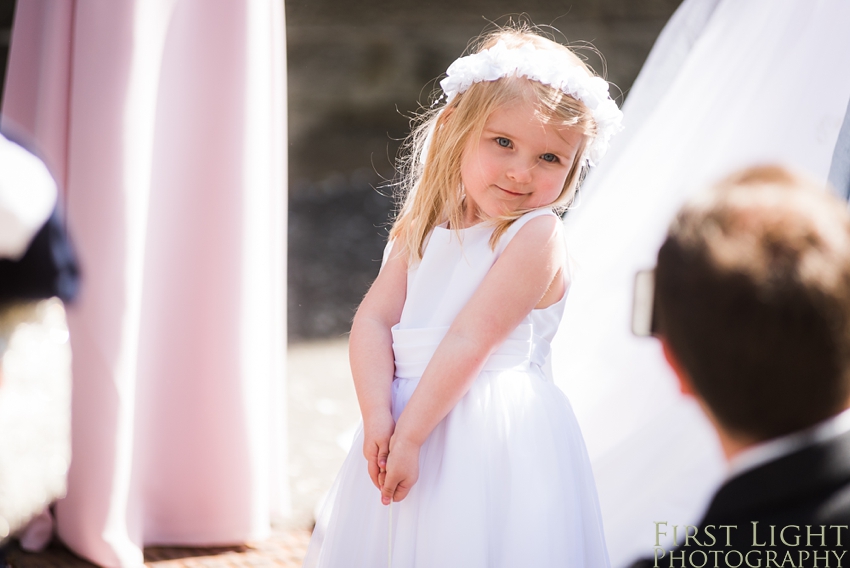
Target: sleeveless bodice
[[453, 265]]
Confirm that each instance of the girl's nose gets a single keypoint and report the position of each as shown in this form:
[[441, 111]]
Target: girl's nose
[[519, 172]]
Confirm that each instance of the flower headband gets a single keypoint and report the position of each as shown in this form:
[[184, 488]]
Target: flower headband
[[544, 66]]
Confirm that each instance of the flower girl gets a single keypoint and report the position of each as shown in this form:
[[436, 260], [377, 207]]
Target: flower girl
[[471, 457]]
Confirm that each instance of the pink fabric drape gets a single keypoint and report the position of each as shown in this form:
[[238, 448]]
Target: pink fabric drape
[[164, 120]]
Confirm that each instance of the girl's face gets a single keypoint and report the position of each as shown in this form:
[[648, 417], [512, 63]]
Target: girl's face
[[518, 162]]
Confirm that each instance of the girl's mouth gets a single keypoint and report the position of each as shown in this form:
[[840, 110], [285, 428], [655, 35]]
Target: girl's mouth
[[511, 193]]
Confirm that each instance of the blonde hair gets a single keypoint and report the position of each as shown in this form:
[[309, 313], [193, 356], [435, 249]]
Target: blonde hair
[[430, 188]]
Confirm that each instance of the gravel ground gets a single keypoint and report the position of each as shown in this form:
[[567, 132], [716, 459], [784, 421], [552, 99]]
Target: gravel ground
[[285, 549]]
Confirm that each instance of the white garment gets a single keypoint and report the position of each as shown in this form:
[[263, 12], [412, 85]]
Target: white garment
[[504, 479], [27, 197], [730, 83]]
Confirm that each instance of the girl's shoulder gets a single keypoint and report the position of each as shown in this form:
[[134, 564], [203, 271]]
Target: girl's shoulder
[[533, 214], [517, 226]]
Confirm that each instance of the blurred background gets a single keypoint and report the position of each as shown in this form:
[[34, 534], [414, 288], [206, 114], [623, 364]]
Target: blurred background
[[217, 423]]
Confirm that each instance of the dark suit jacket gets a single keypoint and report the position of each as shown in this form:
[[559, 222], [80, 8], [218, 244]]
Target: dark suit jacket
[[804, 493]]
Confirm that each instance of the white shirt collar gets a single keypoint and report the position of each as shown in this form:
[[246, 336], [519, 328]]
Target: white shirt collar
[[771, 450]]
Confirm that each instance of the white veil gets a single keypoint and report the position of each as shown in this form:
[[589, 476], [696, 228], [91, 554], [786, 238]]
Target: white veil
[[729, 83]]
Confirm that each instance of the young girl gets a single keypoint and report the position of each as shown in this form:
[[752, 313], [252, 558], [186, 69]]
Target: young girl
[[462, 426]]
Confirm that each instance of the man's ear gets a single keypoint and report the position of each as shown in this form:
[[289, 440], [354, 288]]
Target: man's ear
[[685, 385]]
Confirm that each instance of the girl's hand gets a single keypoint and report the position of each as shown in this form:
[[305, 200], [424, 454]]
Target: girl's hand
[[377, 431], [370, 349], [402, 470]]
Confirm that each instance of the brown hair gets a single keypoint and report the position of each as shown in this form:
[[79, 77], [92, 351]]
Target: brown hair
[[430, 188], [753, 297]]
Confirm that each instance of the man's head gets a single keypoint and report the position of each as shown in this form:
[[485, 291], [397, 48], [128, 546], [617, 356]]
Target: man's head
[[753, 299]]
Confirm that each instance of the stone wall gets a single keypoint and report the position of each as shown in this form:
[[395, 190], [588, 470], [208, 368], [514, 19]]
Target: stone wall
[[357, 70]]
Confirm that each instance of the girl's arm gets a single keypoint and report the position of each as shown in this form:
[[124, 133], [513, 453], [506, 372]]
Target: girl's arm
[[529, 272], [370, 351]]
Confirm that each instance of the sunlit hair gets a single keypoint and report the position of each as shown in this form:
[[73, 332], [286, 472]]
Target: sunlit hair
[[753, 297], [430, 189]]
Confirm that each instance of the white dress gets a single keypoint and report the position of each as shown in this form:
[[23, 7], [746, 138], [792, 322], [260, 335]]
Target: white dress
[[504, 479]]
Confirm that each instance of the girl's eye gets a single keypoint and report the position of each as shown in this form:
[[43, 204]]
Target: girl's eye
[[549, 158], [503, 142]]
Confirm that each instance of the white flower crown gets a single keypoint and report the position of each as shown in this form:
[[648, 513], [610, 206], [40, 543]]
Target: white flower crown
[[544, 66]]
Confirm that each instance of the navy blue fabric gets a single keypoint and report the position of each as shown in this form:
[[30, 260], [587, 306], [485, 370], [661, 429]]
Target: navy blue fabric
[[48, 268]]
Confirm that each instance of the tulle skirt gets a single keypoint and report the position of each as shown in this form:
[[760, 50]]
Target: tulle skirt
[[504, 481]]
